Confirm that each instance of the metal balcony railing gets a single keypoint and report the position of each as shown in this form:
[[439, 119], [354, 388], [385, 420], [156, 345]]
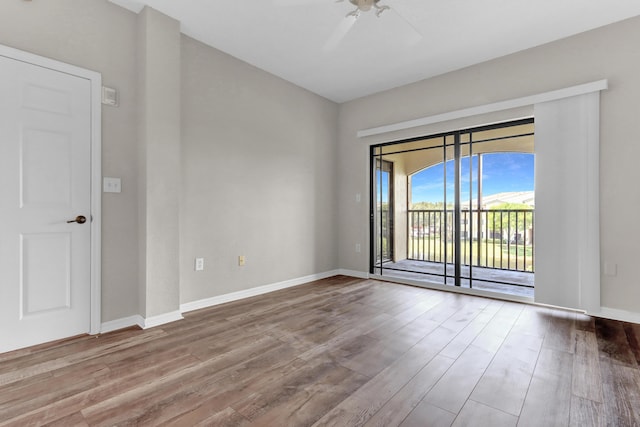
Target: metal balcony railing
[[494, 238]]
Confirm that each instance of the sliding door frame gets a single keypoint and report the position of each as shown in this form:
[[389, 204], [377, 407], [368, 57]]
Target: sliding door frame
[[376, 156]]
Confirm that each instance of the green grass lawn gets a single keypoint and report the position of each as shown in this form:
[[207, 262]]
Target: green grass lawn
[[492, 253]]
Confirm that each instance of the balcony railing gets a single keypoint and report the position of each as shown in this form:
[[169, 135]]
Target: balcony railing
[[494, 238]]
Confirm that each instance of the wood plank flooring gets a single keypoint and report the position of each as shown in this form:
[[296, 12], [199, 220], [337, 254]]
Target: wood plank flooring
[[337, 352]]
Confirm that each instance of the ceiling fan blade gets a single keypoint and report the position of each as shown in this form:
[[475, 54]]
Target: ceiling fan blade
[[339, 33]]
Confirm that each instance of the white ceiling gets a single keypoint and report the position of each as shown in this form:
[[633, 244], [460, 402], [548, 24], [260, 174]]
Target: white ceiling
[[414, 40]]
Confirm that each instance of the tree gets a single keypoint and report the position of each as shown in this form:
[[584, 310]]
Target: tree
[[428, 206], [511, 218]]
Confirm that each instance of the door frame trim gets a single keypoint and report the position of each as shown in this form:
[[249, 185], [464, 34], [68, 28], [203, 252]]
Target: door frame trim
[[95, 80]]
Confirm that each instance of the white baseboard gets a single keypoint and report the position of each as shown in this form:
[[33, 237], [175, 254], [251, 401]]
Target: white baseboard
[[234, 296], [616, 314], [137, 320], [125, 322], [161, 319], [353, 273]]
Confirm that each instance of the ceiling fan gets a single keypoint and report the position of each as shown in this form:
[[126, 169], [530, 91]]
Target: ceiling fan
[[361, 7], [365, 6]]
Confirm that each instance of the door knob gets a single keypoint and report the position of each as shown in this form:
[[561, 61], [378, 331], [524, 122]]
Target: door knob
[[79, 219]]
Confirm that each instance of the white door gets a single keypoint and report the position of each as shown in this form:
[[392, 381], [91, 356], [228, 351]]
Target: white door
[[45, 182]]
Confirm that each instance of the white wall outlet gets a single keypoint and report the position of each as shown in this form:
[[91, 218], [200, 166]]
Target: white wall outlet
[[199, 264], [241, 260], [358, 248], [111, 185], [358, 197]]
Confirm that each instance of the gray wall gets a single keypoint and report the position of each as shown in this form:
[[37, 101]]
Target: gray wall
[[259, 176], [610, 52], [159, 83]]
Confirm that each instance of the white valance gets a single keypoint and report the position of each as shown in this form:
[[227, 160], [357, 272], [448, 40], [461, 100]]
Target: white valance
[[488, 108]]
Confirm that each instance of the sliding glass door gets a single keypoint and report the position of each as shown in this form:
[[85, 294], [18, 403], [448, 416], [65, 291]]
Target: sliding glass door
[[462, 212]]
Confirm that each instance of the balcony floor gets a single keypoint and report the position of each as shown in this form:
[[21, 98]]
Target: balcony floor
[[426, 271]]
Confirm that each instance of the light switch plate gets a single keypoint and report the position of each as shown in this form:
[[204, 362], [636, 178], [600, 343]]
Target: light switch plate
[[109, 96], [111, 185]]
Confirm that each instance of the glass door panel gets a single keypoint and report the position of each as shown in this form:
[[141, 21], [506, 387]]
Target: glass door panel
[[384, 211]]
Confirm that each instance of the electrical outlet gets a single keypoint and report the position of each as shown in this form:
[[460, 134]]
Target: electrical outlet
[[199, 264], [111, 185], [241, 260], [358, 248]]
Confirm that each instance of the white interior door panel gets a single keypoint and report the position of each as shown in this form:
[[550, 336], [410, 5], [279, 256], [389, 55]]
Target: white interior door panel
[[45, 171]]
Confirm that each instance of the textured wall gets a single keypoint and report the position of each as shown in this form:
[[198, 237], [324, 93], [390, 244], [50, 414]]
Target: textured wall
[[159, 101], [607, 53], [259, 176]]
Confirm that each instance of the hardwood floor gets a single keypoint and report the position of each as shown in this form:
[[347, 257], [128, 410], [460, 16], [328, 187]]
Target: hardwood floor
[[338, 352]]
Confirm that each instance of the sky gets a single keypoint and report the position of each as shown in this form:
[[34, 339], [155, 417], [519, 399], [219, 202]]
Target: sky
[[502, 172]]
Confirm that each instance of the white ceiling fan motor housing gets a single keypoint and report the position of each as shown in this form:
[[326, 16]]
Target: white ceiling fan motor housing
[[364, 5]]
